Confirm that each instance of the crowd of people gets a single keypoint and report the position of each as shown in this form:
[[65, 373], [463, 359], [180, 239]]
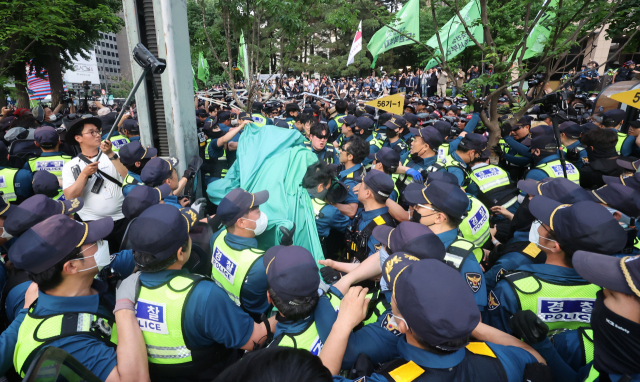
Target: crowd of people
[[441, 258]]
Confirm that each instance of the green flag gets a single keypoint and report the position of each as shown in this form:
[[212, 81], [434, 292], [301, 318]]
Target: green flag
[[453, 36], [203, 69], [408, 22], [537, 39], [243, 63], [193, 76]]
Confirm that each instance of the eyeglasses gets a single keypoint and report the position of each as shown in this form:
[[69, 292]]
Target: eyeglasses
[[94, 133]]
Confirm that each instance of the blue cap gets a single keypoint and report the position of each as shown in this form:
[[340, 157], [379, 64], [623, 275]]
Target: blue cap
[[473, 141], [281, 123], [379, 182], [559, 189], [45, 183], [396, 122], [523, 121], [436, 302], [429, 135], [46, 134], [291, 272], [413, 238], [544, 142], [443, 127], [5, 208], [134, 152], [588, 126], [364, 123], [570, 129], [581, 226], [349, 120], [442, 176], [394, 265], [631, 166], [411, 118], [609, 272], [157, 170], [622, 198], [632, 181], [614, 115], [224, 116], [387, 156], [446, 197], [131, 125], [237, 203], [36, 209], [46, 243], [142, 197], [540, 130], [160, 231]]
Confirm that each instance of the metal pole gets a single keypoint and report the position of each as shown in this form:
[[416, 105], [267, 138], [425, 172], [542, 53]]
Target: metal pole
[[126, 102], [556, 132]]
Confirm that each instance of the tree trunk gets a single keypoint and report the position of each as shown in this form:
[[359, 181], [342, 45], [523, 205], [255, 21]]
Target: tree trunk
[[55, 74], [20, 76]]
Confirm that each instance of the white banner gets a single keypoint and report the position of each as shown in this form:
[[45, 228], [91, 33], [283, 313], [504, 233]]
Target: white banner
[[356, 46], [83, 70]]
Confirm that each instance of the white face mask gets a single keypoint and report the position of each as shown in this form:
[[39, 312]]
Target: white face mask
[[5, 234], [534, 236], [52, 117], [392, 321], [261, 223], [102, 255]]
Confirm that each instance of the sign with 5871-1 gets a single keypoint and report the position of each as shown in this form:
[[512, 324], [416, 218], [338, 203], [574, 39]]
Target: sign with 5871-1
[[392, 104], [631, 98]]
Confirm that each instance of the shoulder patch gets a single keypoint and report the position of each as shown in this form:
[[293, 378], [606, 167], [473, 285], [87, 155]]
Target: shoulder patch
[[350, 176], [407, 372], [474, 280], [481, 348], [532, 250], [492, 301], [390, 326], [500, 274], [379, 220]]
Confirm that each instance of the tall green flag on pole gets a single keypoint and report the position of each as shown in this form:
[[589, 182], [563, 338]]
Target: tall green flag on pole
[[408, 22], [537, 39], [203, 69], [243, 62], [193, 76], [453, 36]]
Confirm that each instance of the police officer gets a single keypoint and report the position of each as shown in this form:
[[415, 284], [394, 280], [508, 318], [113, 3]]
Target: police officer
[[224, 123], [375, 189], [335, 125], [592, 77], [118, 140], [602, 156], [258, 116], [570, 133], [304, 318], [547, 162], [134, 157], [352, 154], [387, 160], [442, 206], [347, 125], [51, 159], [237, 261], [435, 312], [291, 111], [183, 343], [131, 130], [546, 289], [318, 136], [14, 183], [215, 163], [394, 128], [613, 119], [469, 149], [423, 155], [47, 184], [159, 171], [513, 159], [626, 73], [63, 256], [491, 184]]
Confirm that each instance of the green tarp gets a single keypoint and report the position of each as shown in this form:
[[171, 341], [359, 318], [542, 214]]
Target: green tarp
[[272, 158]]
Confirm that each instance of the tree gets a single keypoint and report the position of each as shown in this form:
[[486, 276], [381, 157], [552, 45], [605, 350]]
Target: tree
[[121, 89]]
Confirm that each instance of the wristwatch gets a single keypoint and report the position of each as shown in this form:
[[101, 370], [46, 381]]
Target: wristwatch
[[114, 157]]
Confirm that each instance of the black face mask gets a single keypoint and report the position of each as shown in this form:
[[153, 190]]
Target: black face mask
[[415, 217], [416, 158], [391, 133], [617, 349], [522, 218]]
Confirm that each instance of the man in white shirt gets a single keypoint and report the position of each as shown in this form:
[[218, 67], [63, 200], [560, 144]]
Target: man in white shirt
[[95, 175]]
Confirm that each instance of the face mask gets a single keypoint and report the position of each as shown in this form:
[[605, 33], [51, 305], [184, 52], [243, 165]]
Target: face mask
[[617, 349], [102, 256], [261, 223], [392, 321], [391, 133], [318, 195], [52, 117], [5, 234], [534, 236]]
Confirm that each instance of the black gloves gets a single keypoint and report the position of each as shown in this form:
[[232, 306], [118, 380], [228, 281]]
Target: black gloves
[[193, 167], [505, 129], [526, 325], [330, 275], [477, 106], [287, 235], [498, 150]]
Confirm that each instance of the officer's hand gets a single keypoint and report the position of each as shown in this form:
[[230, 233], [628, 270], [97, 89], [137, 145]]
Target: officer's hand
[[353, 307], [31, 295], [200, 202], [287, 235], [505, 129], [106, 147], [477, 106], [127, 292], [330, 275], [498, 150], [526, 325], [415, 174]]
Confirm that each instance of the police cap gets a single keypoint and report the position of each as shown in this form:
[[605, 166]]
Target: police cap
[[580, 226], [524, 121], [134, 152], [544, 142], [5, 208], [622, 198], [281, 123], [559, 189], [349, 120], [45, 183], [157, 170], [160, 231], [387, 156], [473, 141], [613, 116], [131, 125], [446, 197], [411, 118], [414, 238], [540, 130], [588, 126], [632, 181], [570, 129], [383, 118], [364, 123], [443, 127], [429, 135], [620, 275], [292, 107], [379, 182], [224, 116], [631, 166], [46, 243], [396, 122], [291, 272], [202, 113], [238, 203], [442, 176], [46, 134], [394, 265], [142, 197], [36, 209], [257, 107]]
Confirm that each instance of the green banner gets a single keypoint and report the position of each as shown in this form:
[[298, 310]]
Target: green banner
[[537, 39], [203, 69], [193, 76], [408, 22], [243, 63], [453, 36]]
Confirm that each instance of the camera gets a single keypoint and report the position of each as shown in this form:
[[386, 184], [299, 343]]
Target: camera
[[66, 96], [145, 59], [538, 79]]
